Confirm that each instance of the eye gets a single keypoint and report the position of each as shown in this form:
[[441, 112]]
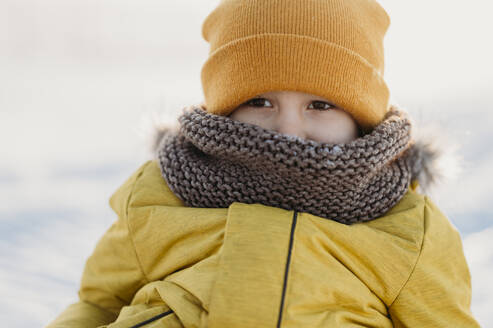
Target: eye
[[257, 102], [322, 105]]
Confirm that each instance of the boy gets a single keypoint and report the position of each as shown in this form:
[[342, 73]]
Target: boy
[[287, 199]]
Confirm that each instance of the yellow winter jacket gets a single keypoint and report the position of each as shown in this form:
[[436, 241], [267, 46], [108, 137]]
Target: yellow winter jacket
[[162, 264]]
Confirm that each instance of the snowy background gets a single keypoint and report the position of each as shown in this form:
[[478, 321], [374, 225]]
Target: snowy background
[[80, 81]]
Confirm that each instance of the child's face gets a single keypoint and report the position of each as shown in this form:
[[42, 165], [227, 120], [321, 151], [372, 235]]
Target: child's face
[[297, 113]]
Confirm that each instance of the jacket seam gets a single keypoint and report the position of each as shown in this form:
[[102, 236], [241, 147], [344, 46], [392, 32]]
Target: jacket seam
[[130, 233], [417, 258], [286, 271], [154, 318]]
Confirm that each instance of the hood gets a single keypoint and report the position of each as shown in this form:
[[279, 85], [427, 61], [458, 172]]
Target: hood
[[432, 157]]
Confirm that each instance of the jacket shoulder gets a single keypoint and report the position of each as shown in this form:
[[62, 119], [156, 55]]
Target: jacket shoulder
[[438, 290], [422, 236], [119, 199], [146, 186], [420, 210], [404, 221]]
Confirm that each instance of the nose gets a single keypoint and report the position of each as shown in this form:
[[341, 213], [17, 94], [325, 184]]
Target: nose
[[290, 121]]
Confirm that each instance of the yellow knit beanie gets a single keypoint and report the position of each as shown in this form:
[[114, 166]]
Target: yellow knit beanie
[[329, 48]]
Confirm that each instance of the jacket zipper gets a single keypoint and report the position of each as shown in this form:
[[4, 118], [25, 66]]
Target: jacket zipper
[[288, 260]]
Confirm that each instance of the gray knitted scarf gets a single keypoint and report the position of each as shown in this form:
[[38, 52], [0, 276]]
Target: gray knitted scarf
[[213, 161]]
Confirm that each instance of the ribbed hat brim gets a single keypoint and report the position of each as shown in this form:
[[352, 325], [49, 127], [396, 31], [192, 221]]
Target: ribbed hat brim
[[245, 67]]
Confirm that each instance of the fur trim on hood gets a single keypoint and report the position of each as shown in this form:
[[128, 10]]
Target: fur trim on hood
[[432, 159], [426, 161]]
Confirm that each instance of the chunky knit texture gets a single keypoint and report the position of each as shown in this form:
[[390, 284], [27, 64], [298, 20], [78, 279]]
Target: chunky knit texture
[[330, 48], [213, 161]]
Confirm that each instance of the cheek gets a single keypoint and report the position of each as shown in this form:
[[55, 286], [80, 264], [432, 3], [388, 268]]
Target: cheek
[[335, 129], [241, 114], [250, 115]]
